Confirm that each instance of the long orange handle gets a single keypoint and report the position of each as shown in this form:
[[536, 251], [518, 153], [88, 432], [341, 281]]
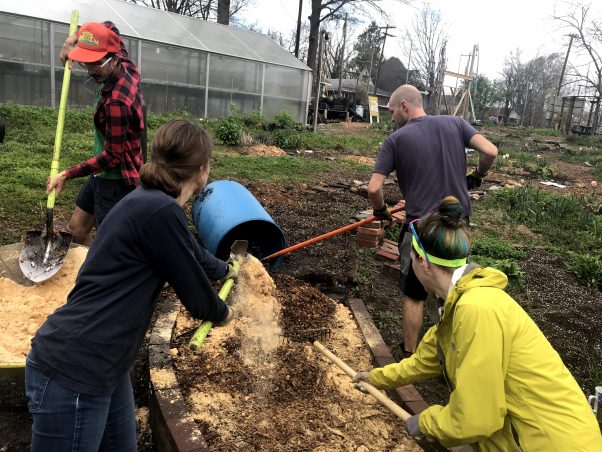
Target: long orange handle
[[328, 235]]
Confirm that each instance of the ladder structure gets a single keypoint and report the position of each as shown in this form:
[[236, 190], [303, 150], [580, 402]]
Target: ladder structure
[[464, 91]]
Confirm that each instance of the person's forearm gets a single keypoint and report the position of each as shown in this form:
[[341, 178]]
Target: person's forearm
[[375, 191], [485, 163], [377, 199], [94, 165]]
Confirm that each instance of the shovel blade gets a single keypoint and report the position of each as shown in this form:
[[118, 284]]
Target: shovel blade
[[239, 248], [43, 255]]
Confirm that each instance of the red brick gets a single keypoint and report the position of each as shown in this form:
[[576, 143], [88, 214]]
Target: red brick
[[377, 224], [368, 231], [366, 243], [390, 248], [387, 255]]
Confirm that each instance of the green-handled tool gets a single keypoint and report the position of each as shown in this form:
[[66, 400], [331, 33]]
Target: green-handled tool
[[44, 252], [237, 252]]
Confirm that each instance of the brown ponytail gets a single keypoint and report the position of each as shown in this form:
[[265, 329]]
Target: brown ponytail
[[180, 148]]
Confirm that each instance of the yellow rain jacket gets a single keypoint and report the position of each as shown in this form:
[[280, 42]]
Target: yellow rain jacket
[[504, 374]]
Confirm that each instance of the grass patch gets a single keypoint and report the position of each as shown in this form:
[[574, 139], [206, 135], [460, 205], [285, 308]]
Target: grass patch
[[593, 156], [287, 168], [585, 140], [496, 249], [320, 140], [566, 224], [26, 154], [546, 132]]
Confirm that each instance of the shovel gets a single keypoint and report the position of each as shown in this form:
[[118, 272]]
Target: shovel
[[44, 252], [237, 251]]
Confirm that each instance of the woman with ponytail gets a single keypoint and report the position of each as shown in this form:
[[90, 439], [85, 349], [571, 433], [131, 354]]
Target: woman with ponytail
[[76, 375], [510, 390]]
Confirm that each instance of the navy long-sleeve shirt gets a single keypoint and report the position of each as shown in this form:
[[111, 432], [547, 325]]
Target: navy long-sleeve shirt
[[88, 344]]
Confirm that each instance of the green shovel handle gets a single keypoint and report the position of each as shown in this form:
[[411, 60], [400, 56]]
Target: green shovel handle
[[58, 138], [201, 332]]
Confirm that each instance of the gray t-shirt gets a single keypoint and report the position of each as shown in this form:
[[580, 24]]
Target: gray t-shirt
[[428, 155]]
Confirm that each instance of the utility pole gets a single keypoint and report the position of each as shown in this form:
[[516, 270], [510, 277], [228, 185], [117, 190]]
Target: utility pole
[[566, 58], [342, 54], [298, 37], [409, 61], [323, 37], [381, 55]]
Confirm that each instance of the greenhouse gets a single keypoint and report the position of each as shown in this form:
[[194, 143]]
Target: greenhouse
[[187, 64]]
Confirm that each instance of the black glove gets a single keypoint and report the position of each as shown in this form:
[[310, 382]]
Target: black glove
[[383, 213], [474, 180], [228, 318], [412, 426]]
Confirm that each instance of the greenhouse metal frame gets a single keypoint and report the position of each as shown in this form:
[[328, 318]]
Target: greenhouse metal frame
[[207, 69]]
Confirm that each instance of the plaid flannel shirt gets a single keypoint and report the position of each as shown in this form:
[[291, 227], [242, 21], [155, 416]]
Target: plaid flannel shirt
[[119, 117]]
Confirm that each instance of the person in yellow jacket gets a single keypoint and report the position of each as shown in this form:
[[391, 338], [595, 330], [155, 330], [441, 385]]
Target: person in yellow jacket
[[510, 389]]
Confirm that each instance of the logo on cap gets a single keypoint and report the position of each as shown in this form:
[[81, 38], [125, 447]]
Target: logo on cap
[[88, 38]]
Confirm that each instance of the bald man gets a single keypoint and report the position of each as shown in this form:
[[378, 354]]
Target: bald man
[[429, 158]]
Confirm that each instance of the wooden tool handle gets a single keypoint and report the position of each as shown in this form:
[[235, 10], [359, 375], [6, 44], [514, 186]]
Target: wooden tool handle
[[378, 395]]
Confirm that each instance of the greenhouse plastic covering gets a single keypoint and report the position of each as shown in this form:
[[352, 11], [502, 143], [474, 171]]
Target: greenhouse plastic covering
[[160, 26]]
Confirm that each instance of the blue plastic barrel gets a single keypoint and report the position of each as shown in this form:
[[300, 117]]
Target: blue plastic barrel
[[226, 211]]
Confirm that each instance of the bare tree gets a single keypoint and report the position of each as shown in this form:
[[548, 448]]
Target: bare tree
[[510, 77], [527, 87], [287, 41], [200, 9], [425, 40], [322, 10], [588, 42]]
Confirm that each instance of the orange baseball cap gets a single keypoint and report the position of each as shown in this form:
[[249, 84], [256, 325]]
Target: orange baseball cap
[[94, 41]]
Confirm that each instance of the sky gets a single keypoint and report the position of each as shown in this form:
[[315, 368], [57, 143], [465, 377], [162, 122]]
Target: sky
[[498, 27]]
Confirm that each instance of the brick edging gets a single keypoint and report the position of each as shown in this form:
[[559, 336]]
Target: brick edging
[[407, 395], [172, 425]]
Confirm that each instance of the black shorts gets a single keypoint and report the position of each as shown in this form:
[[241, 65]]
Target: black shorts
[[408, 283], [99, 195], [411, 286]]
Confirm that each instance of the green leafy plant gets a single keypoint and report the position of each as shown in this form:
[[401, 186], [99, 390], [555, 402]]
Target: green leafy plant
[[393, 233], [508, 266], [287, 139], [385, 319], [495, 249], [254, 120], [229, 130], [587, 268], [283, 120]]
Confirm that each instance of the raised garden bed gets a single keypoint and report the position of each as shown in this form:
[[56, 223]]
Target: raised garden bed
[[240, 396]]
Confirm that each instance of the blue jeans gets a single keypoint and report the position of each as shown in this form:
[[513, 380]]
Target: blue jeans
[[65, 420]]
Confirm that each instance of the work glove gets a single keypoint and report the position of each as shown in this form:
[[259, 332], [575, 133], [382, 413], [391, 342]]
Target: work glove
[[474, 180], [358, 378], [228, 318], [412, 426], [383, 213], [233, 269]]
